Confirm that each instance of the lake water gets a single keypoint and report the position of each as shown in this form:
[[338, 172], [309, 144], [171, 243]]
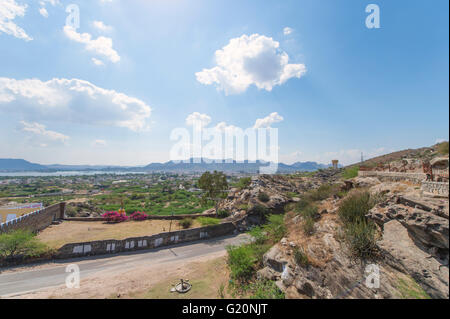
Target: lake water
[[65, 173]]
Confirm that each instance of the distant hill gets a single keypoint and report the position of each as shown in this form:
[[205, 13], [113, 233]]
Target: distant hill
[[192, 166], [230, 167], [8, 164], [423, 153]]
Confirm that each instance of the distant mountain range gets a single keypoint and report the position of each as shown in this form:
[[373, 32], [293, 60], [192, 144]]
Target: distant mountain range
[[193, 166]]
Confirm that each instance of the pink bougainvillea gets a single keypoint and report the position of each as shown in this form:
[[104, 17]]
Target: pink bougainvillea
[[138, 216], [115, 217]]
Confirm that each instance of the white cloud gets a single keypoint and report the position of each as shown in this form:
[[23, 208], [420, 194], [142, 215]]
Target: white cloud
[[74, 101], [440, 140], [196, 117], [52, 2], [248, 60], [101, 46], [98, 62], [41, 131], [268, 120], [97, 143], [43, 12], [101, 26], [9, 10], [287, 31]]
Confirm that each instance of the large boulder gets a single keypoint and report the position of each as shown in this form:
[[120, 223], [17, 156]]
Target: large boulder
[[401, 252]]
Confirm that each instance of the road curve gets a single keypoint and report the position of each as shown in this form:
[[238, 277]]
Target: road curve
[[30, 279]]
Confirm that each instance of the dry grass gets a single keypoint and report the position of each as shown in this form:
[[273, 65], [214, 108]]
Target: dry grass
[[57, 236], [295, 233]]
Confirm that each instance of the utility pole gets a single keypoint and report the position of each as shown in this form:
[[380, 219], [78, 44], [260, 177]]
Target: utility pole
[[362, 157]]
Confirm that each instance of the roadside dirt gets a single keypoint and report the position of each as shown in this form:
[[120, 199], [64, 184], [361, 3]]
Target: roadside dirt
[[206, 274]]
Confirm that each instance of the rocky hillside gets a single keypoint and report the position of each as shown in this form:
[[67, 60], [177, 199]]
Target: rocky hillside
[[409, 230]]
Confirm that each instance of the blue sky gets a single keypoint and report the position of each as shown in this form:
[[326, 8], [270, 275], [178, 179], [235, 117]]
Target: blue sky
[[112, 92]]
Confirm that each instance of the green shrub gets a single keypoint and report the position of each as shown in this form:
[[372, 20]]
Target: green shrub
[[310, 211], [302, 204], [241, 261], [291, 194], [222, 214], [186, 223], [300, 257], [208, 221], [275, 228], [308, 226], [20, 243], [261, 210], [361, 236], [323, 192], [350, 172], [266, 289], [355, 206], [244, 182], [259, 235], [243, 207], [359, 232], [443, 148], [263, 197]]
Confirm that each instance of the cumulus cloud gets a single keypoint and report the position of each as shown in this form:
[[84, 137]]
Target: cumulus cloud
[[40, 130], [72, 100], [101, 26], [287, 31], [196, 117], [9, 10], [98, 62], [268, 120], [101, 46], [43, 12], [254, 59]]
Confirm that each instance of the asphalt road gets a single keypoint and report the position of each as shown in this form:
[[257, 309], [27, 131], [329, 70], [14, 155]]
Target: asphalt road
[[24, 280]]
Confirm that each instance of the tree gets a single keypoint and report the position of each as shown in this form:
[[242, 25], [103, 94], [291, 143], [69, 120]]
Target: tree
[[20, 242], [214, 185]]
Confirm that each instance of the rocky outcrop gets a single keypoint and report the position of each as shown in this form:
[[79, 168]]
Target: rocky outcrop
[[330, 273], [245, 206], [401, 252], [427, 224]]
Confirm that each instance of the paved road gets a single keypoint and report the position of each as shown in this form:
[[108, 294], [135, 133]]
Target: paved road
[[54, 274]]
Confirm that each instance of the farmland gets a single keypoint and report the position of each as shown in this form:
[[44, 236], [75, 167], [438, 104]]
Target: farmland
[[90, 196]]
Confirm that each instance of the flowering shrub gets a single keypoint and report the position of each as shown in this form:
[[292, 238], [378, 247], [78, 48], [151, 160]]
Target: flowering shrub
[[115, 217], [138, 216]]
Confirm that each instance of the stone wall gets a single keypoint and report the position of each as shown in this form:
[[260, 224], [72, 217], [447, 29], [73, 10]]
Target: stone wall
[[35, 221], [394, 176], [436, 188], [151, 217], [104, 247]]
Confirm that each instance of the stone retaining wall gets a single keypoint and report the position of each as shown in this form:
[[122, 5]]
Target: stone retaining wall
[[151, 217], [394, 176], [436, 188], [104, 247], [35, 221]]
